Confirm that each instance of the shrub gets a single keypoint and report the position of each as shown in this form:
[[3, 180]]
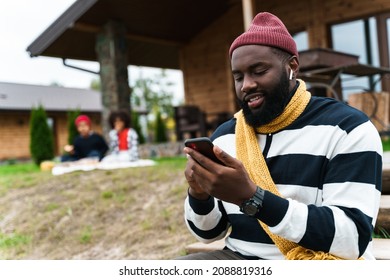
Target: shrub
[[41, 136], [137, 127], [72, 129], [160, 129]]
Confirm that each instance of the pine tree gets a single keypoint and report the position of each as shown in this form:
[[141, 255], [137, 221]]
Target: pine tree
[[137, 127], [72, 129], [160, 129], [41, 136]]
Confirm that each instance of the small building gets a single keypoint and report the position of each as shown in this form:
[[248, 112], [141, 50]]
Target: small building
[[16, 102]]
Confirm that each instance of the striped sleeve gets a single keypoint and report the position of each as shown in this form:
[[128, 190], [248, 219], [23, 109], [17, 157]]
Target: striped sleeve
[[206, 220], [343, 220]]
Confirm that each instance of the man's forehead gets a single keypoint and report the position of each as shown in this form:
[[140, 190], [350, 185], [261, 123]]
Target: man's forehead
[[254, 53]]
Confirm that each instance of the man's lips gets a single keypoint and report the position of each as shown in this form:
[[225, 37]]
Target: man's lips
[[254, 100]]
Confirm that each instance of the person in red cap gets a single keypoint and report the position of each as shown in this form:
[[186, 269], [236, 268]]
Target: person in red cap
[[88, 144], [302, 174]]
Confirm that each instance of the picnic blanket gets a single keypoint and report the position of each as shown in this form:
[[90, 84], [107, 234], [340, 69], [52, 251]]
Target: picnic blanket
[[88, 165]]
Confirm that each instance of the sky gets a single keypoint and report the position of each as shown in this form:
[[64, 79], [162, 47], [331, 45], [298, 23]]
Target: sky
[[21, 22]]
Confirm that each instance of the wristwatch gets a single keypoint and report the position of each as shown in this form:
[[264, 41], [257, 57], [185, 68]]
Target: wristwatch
[[253, 205]]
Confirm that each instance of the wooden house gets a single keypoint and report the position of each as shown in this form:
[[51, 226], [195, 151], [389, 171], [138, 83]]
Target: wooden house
[[194, 36], [16, 102]]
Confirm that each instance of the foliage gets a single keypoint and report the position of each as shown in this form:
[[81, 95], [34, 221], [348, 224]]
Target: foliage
[[137, 126], [72, 129], [382, 233], [160, 129], [41, 136], [96, 84], [386, 144], [13, 240], [156, 96], [153, 94]]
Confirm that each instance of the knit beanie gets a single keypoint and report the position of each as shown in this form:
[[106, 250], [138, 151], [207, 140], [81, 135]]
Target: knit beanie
[[82, 118], [266, 29]]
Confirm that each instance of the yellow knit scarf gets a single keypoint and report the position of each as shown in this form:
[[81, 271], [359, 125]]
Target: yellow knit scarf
[[249, 152]]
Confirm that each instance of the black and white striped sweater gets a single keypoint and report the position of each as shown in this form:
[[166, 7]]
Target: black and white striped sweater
[[327, 166]]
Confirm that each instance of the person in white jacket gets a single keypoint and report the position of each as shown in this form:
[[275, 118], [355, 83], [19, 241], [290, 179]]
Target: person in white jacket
[[123, 139]]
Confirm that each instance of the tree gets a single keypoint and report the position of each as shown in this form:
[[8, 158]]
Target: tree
[[160, 134], [72, 129], [41, 136], [156, 96], [137, 127], [96, 85], [153, 94]]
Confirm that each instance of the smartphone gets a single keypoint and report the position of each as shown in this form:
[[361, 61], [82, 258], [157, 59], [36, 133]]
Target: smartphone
[[204, 146]]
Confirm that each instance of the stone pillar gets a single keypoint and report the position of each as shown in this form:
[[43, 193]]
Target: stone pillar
[[111, 49]]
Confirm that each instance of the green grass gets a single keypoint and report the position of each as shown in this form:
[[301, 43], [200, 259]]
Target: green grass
[[382, 233], [107, 194], [28, 168], [86, 235], [386, 144], [18, 168], [178, 162], [118, 208], [13, 240]]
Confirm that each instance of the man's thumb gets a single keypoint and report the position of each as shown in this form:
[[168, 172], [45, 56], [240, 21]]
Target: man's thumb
[[223, 156]]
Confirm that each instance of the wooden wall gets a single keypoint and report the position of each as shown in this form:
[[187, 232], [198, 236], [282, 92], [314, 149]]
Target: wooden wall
[[205, 62], [206, 65], [316, 16]]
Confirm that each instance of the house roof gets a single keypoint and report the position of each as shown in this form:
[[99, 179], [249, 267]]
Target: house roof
[[53, 98], [155, 29]]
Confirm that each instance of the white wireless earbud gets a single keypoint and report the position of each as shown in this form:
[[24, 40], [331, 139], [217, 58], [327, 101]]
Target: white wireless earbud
[[291, 74]]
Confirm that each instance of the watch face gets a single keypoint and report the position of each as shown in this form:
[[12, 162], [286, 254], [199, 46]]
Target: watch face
[[250, 209]]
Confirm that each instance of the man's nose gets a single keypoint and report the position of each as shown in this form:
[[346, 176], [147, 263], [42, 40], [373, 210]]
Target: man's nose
[[248, 84]]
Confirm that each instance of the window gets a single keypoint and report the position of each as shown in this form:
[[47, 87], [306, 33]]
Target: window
[[302, 41], [388, 34], [363, 43]]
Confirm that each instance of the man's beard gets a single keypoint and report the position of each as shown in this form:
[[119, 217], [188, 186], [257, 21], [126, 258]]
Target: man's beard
[[274, 104]]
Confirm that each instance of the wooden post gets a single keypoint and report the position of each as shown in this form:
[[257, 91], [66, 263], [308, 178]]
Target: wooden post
[[248, 10], [384, 47], [317, 29], [111, 49]]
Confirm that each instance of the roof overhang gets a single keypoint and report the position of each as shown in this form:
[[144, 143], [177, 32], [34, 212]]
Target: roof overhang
[[155, 29]]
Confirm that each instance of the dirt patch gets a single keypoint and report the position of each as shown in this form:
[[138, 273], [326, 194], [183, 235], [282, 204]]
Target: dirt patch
[[134, 213]]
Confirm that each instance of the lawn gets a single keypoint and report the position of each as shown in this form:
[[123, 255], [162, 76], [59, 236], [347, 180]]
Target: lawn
[[386, 144], [133, 213]]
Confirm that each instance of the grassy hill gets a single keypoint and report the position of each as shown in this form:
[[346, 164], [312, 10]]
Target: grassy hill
[[134, 213]]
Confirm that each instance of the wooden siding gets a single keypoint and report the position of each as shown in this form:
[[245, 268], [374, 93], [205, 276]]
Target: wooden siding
[[316, 16], [205, 62]]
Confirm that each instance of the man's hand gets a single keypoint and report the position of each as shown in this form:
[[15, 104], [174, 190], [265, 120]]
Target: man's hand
[[229, 183], [68, 148]]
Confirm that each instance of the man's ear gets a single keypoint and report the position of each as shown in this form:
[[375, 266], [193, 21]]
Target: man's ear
[[293, 63]]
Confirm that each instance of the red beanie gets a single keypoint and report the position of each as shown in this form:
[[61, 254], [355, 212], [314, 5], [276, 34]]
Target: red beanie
[[82, 118], [266, 29]]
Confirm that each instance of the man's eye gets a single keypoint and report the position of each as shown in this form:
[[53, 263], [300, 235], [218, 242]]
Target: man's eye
[[238, 78], [260, 71]]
